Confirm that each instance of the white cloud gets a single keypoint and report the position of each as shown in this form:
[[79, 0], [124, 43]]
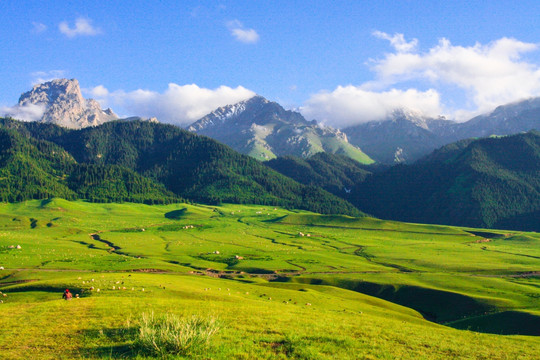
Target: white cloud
[[178, 104], [83, 27], [486, 75], [39, 77], [38, 27], [398, 41], [349, 105], [489, 75], [98, 92], [27, 112], [247, 36]]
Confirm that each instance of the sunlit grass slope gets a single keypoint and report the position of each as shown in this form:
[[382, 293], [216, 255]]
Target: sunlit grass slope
[[282, 284]]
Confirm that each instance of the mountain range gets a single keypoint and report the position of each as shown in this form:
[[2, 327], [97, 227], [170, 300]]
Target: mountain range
[[488, 182], [406, 136], [264, 130], [142, 161]]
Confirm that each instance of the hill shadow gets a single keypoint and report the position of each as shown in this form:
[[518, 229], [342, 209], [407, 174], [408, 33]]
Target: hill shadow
[[176, 214], [503, 323], [434, 305], [444, 307], [113, 336]]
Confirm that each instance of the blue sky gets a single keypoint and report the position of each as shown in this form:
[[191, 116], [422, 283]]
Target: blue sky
[[341, 62]]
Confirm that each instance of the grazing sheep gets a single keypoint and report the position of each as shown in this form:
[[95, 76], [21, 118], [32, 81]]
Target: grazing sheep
[[98, 290], [308, 304], [19, 247], [1, 268]]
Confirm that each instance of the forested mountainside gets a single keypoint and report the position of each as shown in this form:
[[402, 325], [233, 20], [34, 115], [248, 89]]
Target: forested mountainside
[[334, 173], [173, 162], [490, 182]]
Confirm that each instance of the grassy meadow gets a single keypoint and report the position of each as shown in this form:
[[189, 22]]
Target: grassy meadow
[[278, 284]]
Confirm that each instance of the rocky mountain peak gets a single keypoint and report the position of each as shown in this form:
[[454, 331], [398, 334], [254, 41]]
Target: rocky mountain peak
[[64, 105], [264, 130]]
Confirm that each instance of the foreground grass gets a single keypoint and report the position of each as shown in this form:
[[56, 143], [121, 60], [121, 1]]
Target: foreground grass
[[354, 288]]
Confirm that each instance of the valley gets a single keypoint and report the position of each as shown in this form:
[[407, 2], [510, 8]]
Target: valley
[[281, 283]]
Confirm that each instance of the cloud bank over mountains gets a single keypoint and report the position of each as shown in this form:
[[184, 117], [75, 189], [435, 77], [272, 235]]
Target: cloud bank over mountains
[[487, 75], [425, 81], [350, 105], [27, 112], [178, 104]]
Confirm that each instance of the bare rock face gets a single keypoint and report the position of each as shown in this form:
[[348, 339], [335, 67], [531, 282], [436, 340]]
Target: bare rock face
[[64, 105]]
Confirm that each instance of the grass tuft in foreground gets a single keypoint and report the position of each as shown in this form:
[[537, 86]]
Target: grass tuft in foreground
[[172, 335]]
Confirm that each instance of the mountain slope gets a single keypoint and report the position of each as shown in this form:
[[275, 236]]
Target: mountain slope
[[404, 137], [483, 183], [264, 130], [190, 166], [38, 169], [334, 173], [504, 120], [407, 136]]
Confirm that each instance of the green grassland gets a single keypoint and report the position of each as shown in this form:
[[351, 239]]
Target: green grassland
[[349, 288]]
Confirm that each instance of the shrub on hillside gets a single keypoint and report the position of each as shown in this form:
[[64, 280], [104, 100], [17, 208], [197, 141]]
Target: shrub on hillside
[[171, 335]]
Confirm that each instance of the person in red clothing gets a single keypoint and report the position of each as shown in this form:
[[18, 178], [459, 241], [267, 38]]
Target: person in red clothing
[[67, 295]]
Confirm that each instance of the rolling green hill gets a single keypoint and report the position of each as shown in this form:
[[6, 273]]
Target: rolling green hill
[[169, 159], [491, 182], [350, 288]]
